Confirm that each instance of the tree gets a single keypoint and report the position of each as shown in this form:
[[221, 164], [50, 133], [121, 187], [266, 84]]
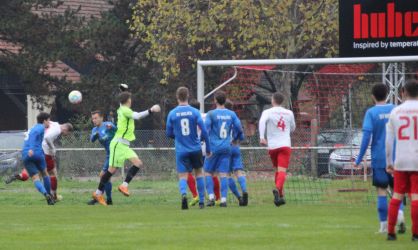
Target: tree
[[180, 32]]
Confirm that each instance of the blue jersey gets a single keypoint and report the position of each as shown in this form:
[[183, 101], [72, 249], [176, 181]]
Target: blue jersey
[[374, 126], [182, 123], [33, 140], [220, 123], [104, 134]]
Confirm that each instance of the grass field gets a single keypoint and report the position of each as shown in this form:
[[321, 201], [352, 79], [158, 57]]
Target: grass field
[[151, 219]]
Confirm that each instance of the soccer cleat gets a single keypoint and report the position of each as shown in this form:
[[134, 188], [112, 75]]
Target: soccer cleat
[[391, 237], [99, 199], [109, 202], [92, 202], [415, 237], [222, 204], [211, 203], [194, 201], [124, 190], [240, 202], [244, 199], [10, 179], [278, 201], [401, 228], [49, 200], [184, 204], [201, 205]]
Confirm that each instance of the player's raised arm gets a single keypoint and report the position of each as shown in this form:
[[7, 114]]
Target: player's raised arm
[[141, 115], [262, 127], [169, 130], [367, 133], [203, 133], [390, 140]]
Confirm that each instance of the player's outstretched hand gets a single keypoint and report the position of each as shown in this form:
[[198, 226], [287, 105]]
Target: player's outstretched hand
[[355, 166], [389, 169], [263, 142], [156, 108]]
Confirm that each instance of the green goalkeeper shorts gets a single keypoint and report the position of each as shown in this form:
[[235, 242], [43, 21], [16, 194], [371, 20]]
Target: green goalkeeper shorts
[[119, 153]]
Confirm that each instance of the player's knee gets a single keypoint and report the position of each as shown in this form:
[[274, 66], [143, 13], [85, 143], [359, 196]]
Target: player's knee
[[183, 176], [281, 169], [414, 197]]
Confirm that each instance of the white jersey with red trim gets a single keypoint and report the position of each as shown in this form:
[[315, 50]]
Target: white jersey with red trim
[[279, 122], [51, 134], [403, 126]]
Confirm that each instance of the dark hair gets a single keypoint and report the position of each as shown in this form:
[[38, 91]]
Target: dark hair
[[98, 112], [43, 116], [229, 104], [195, 103], [278, 98], [69, 126], [220, 97], [182, 94], [124, 97], [411, 87], [380, 91]]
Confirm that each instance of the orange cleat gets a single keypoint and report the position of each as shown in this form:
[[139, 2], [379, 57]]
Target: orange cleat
[[124, 190], [100, 199]]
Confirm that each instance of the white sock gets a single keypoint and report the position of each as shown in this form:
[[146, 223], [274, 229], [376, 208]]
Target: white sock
[[401, 217], [98, 192], [211, 196], [125, 184], [223, 199], [383, 227]]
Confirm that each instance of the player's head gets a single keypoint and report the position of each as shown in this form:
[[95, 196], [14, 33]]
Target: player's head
[[277, 99], [125, 98], [195, 103], [229, 104], [66, 128], [97, 118], [220, 98], [182, 94], [410, 90], [380, 92], [43, 118]]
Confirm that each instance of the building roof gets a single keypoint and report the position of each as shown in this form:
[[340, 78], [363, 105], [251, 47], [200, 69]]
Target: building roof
[[86, 8]]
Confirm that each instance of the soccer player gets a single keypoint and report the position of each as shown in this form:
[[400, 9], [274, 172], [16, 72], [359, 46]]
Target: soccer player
[[403, 126], [220, 122], [182, 124], [34, 159], [237, 168], [51, 134], [374, 129], [119, 146], [104, 133], [278, 123], [191, 181]]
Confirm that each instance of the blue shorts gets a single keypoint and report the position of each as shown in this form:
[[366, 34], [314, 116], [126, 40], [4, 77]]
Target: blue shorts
[[35, 164], [381, 178], [188, 161], [105, 166], [218, 162], [236, 160]]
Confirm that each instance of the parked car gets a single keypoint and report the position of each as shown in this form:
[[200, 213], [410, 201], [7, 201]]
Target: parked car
[[328, 139], [11, 143]]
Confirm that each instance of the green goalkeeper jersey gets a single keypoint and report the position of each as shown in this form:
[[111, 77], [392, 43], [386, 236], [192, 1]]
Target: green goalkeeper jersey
[[126, 124]]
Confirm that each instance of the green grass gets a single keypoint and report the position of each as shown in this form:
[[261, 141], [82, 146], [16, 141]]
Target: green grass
[[151, 219]]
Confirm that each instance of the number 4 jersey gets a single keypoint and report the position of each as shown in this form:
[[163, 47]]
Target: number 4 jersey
[[403, 126], [280, 122], [182, 124]]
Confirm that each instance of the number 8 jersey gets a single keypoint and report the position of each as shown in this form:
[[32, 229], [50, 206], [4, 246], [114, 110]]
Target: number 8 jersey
[[182, 124], [403, 126]]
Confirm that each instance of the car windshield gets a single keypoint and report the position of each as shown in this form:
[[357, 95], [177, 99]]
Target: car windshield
[[11, 140], [331, 137], [356, 139]]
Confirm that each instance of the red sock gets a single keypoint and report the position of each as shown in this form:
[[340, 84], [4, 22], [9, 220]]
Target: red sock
[[280, 179], [393, 214], [191, 182], [54, 184], [414, 216], [216, 188]]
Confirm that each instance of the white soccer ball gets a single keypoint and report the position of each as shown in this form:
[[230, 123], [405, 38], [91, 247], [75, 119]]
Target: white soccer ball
[[75, 97]]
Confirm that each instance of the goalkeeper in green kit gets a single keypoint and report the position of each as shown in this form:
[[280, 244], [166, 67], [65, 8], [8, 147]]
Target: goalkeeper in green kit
[[119, 147]]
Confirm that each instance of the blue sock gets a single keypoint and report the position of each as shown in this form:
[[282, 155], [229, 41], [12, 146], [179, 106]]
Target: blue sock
[[108, 190], [242, 180], [233, 187], [382, 208], [47, 184], [183, 186], [40, 187], [200, 182], [224, 187], [209, 185]]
